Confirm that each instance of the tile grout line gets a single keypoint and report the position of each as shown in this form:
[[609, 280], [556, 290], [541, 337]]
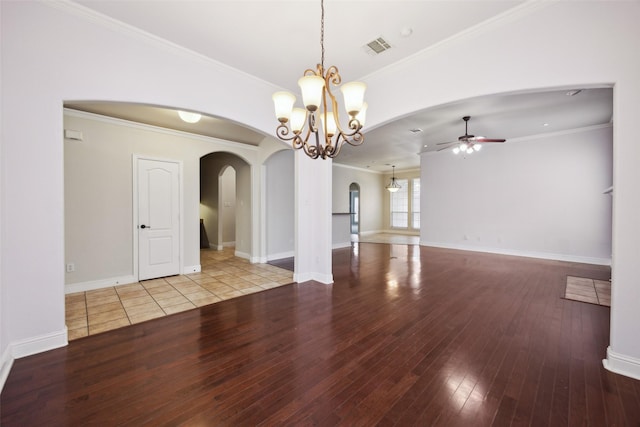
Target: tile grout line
[[122, 305], [213, 265]]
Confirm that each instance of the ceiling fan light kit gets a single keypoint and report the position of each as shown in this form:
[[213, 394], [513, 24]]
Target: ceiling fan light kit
[[321, 114], [468, 144]]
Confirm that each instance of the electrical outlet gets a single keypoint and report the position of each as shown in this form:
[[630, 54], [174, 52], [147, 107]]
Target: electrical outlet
[[71, 267]]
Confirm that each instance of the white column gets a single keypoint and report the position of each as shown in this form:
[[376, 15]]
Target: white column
[[313, 182], [623, 353]]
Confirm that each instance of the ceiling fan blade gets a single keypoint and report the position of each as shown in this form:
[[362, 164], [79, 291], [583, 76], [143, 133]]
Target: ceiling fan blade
[[483, 139], [443, 143], [445, 148]]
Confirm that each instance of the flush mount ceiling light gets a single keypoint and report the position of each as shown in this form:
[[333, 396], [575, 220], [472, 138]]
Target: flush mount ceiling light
[[304, 126], [393, 185], [189, 117]]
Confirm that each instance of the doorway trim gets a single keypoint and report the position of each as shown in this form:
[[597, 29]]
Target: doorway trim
[[134, 219]]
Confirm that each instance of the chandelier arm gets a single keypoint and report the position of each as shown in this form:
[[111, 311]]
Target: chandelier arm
[[335, 149], [354, 125], [332, 78], [312, 123], [355, 140], [282, 132], [299, 142], [311, 150], [319, 71]]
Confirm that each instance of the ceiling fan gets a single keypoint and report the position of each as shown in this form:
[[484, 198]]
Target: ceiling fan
[[468, 143]]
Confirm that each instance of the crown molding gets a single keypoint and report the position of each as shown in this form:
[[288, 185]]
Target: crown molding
[[158, 129]]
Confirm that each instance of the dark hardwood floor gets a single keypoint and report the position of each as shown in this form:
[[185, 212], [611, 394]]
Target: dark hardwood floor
[[407, 335], [286, 263]]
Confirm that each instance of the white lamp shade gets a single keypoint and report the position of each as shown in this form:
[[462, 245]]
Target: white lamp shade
[[469, 150], [311, 87], [353, 93], [298, 116], [283, 103], [189, 117], [456, 149], [463, 146], [362, 115], [330, 125], [393, 189], [477, 147]]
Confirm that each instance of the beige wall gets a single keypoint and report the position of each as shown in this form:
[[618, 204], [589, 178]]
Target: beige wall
[[99, 193], [371, 195]]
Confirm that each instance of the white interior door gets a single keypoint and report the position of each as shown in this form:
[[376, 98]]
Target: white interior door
[[158, 218]]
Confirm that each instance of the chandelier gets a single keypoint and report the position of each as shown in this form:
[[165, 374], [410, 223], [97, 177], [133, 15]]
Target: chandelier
[[317, 128], [393, 185]]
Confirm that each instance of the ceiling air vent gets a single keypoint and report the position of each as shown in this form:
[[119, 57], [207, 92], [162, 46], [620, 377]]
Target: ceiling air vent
[[377, 46]]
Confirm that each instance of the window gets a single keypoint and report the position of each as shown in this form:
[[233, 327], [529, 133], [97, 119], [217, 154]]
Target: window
[[400, 205], [405, 204]]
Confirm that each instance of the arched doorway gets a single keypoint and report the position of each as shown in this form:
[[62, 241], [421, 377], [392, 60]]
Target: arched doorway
[[225, 202], [354, 208], [227, 208]]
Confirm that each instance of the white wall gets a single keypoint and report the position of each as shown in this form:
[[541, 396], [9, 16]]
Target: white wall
[[280, 205], [5, 357], [371, 195], [542, 197]]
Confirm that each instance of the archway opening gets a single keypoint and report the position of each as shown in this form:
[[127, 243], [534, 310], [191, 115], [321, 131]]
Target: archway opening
[[354, 208]]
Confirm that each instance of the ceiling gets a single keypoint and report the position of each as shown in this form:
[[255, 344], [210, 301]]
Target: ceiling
[[250, 35]]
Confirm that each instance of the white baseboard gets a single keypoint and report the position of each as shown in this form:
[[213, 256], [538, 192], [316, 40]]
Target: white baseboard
[[188, 269], [327, 279], [229, 244], [6, 362], [39, 344], [368, 233], [98, 284], [242, 255], [402, 232], [341, 245], [281, 255], [27, 347], [621, 364], [527, 254]]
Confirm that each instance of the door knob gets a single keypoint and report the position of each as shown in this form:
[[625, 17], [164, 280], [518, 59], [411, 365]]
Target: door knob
[[143, 226]]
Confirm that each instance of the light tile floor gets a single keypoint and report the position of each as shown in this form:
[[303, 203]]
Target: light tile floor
[[588, 290], [223, 276]]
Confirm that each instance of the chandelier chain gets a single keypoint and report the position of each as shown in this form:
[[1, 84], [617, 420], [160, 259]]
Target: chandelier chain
[[322, 34]]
